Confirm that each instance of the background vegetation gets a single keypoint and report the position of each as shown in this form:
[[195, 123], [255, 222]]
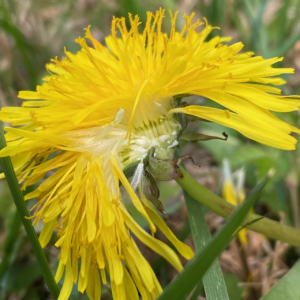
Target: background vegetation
[[32, 32]]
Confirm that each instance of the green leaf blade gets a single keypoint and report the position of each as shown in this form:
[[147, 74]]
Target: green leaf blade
[[213, 280]]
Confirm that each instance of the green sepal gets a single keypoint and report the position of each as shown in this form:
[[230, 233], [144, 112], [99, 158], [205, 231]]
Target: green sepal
[[154, 189], [162, 169], [157, 203], [194, 137]]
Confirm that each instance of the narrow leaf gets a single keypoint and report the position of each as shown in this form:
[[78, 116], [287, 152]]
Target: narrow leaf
[[288, 44], [213, 280]]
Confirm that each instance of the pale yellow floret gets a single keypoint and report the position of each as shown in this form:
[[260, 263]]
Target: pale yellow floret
[[104, 108], [229, 195], [233, 192]]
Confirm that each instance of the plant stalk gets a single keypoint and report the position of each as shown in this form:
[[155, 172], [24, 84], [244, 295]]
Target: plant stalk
[[269, 228]]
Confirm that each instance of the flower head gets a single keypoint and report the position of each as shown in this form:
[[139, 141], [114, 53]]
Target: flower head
[[108, 114]]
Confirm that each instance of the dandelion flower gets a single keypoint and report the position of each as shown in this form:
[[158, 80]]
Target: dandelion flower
[[107, 116]]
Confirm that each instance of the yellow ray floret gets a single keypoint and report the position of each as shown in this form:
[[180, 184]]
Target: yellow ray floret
[[106, 108], [270, 130]]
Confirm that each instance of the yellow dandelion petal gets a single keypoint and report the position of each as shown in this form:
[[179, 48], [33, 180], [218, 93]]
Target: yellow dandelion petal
[[181, 247], [130, 288], [68, 284], [279, 138], [93, 288], [47, 232], [104, 117], [148, 240]]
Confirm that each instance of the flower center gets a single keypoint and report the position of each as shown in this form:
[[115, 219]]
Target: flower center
[[160, 134]]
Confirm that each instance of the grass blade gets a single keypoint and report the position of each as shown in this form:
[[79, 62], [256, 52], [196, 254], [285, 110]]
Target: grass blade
[[184, 283], [213, 280], [22, 209], [259, 38], [197, 291], [287, 45]]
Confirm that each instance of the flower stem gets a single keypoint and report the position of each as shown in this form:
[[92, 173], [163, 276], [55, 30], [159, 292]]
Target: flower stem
[[24, 215], [271, 229]]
